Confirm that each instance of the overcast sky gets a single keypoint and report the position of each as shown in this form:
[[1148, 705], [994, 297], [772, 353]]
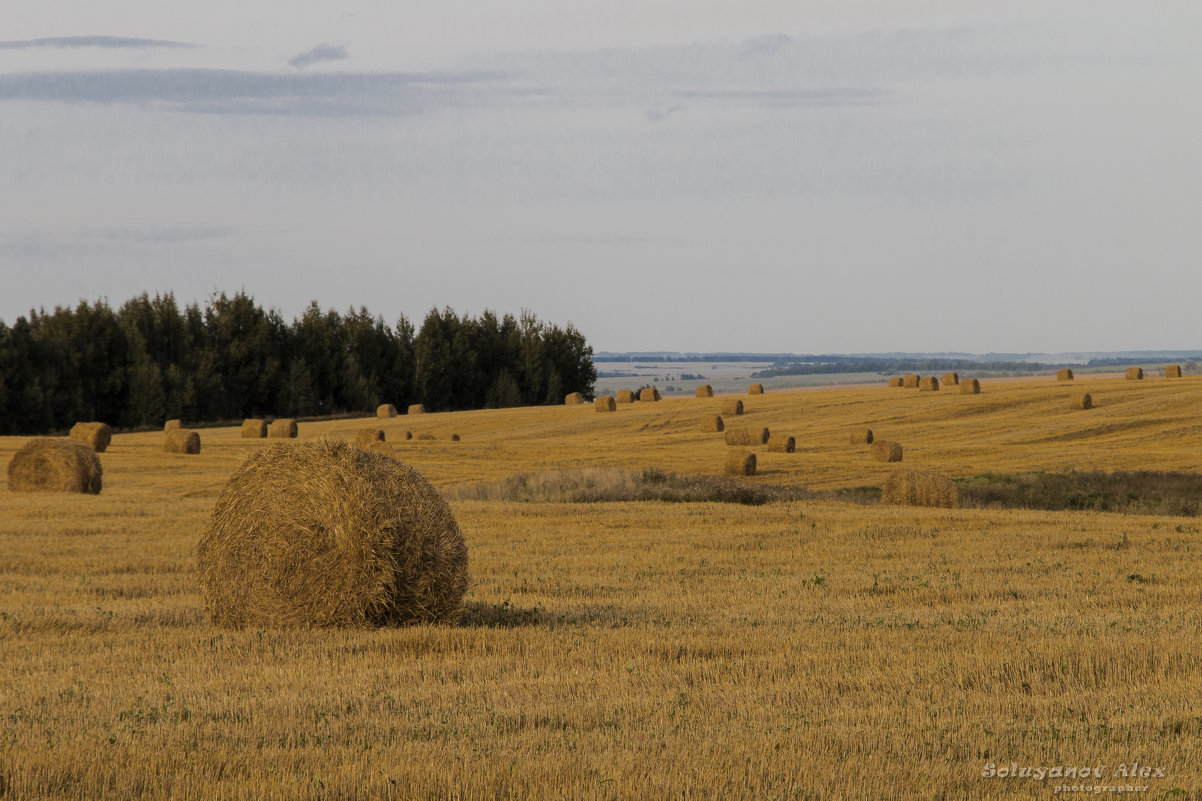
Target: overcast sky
[[700, 175]]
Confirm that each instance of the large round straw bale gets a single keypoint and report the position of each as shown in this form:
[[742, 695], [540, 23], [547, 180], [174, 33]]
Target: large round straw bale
[[1172, 371], [861, 436], [740, 463], [321, 533], [897, 381], [920, 488], [605, 403], [911, 381], [704, 391], [573, 399], [55, 464], [386, 410], [885, 451], [417, 408], [96, 436], [712, 422], [254, 428], [755, 389], [1082, 401], [970, 386], [624, 396], [1135, 374], [1064, 375], [284, 427], [364, 437], [929, 384], [950, 379], [182, 440], [732, 406], [741, 436], [649, 394], [779, 443], [171, 425]]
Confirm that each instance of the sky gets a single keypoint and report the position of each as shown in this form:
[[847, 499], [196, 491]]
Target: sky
[[817, 177]]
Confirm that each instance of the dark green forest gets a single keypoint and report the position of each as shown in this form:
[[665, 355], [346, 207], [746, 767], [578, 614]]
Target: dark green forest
[[150, 360]]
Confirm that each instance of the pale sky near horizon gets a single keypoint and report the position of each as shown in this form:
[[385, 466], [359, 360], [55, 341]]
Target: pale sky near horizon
[[698, 176]]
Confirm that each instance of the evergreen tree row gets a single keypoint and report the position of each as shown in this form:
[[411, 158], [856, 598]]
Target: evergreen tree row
[[149, 361]]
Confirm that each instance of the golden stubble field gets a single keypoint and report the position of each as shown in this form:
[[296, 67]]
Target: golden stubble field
[[639, 650]]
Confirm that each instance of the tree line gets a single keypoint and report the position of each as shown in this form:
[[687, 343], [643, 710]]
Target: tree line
[[150, 360]]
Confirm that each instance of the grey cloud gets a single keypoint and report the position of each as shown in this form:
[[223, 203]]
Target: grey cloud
[[323, 52], [112, 42], [661, 114], [764, 45], [790, 98]]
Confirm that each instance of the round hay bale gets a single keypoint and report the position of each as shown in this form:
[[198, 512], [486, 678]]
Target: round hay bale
[[1172, 371], [285, 428], [861, 436], [96, 436], [605, 403], [929, 384], [426, 436], [740, 436], [712, 423], [182, 440], [321, 533], [1082, 401], [755, 389], [649, 394], [911, 381], [1064, 375], [454, 438], [765, 435], [55, 464], [704, 391], [416, 408], [624, 396], [254, 428], [732, 406], [885, 451], [897, 381], [408, 435], [740, 463], [364, 437], [950, 379], [1135, 374], [386, 410], [920, 488], [970, 386], [779, 443], [171, 425], [573, 399]]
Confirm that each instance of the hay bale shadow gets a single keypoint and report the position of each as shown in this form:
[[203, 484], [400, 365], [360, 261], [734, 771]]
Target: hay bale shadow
[[483, 615]]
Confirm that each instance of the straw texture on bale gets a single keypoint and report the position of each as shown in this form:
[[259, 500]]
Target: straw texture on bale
[[711, 423], [96, 436], [605, 403], [1135, 374], [285, 428], [1082, 401], [740, 463], [364, 437], [779, 443], [321, 534], [755, 389], [885, 451], [929, 384], [55, 464], [732, 406], [861, 436], [425, 436], [173, 424], [254, 428], [741, 436], [386, 410], [911, 381], [970, 386], [951, 379], [1064, 375], [920, 488], [897, 381], [704, 391], [625, 396], [182, 440], [649, 394], [417, 408], [573, 399], [1172, 371]]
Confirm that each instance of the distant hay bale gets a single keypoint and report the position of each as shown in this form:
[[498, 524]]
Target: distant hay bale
[[1064, 375], [55, 464], [861, 436], [920, 488], [1082, 401], [1172, 371], [171, 425], [254, 428], [321, 534], [705, 391], [573, 399], [454, 438], [929, 384], [365, 437], [885, 451], [897, 381], [950, 379], [426, 436], [96, 436], [970, 386], [605, 403], [740, 463], [741, 436], [182, 440], [649, 394], [778, 443], [624, 396], [386, 410], [416, 408], [712, 422], [732, 406], [408, 435], [755, 389], [1135, 374], [285, 428], [911, 381]]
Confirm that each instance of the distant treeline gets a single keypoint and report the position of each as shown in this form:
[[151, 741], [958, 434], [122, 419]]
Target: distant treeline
[[823, 365], [150, 360]]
